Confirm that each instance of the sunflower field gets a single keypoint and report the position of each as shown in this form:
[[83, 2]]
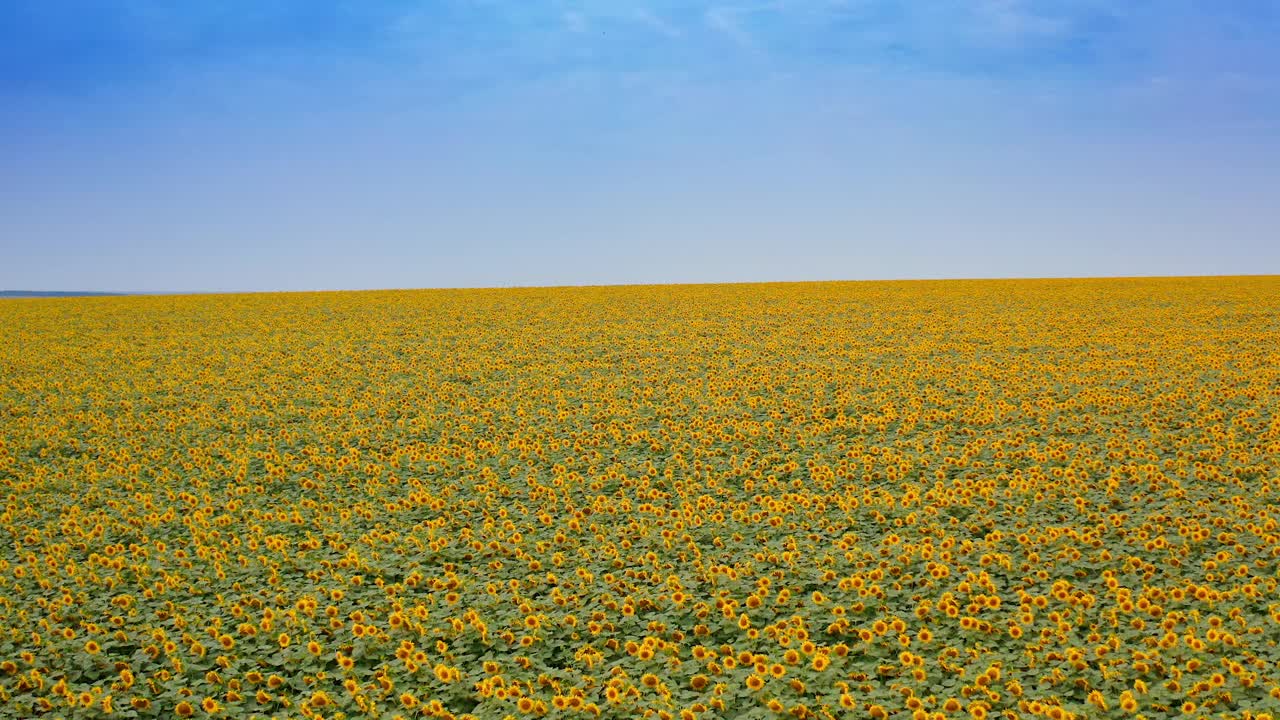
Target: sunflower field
[[962, 499]]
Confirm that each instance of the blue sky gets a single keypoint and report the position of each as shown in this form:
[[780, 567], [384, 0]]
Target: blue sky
[[301, 144]]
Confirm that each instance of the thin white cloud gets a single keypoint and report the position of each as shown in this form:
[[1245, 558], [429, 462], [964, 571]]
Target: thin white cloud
[[575, 22], [647, 17], [724, 20], [1014, 19]]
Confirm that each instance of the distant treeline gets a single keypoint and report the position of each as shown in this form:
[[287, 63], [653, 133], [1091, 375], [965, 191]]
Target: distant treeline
[[53, 293]]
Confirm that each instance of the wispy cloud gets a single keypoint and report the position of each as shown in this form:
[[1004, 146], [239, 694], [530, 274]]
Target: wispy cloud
[[727, 21], [575, 22], [724, 20], [651, 20], [464, 47], [1014, 20]]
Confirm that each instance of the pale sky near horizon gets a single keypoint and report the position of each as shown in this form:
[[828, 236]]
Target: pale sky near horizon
[[293, 145]]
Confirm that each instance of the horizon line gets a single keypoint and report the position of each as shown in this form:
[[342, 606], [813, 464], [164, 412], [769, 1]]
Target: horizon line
[[67, 294]]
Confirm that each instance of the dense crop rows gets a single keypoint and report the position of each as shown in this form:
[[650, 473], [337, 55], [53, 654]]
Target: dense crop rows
[[911, 500]]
